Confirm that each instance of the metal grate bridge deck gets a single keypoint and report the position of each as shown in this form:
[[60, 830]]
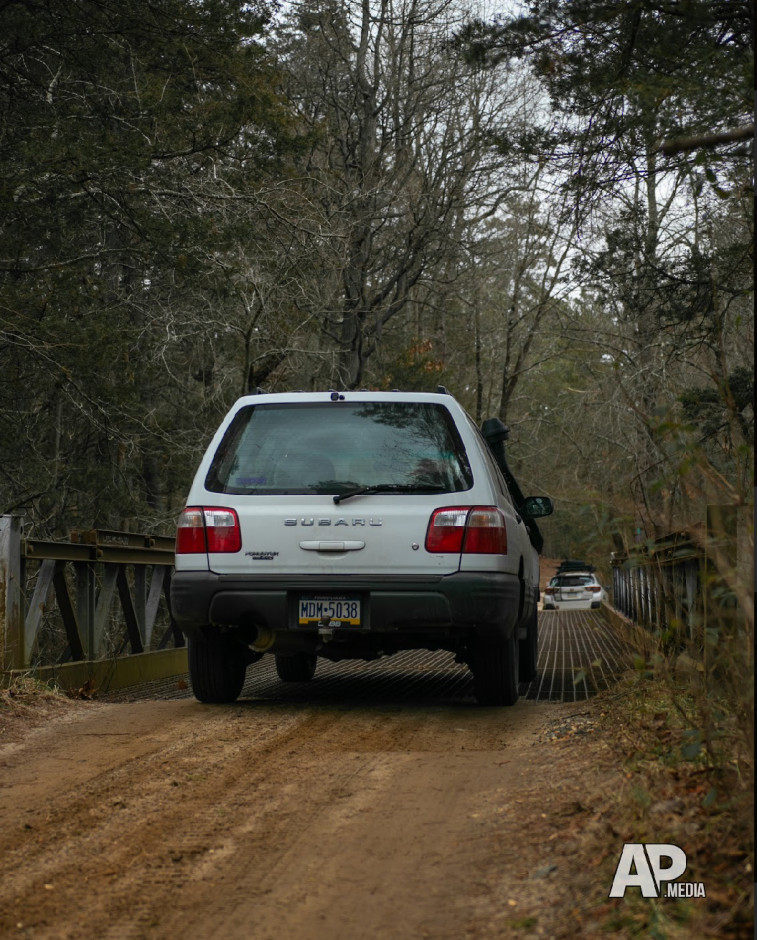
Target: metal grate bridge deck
[[579, 653]]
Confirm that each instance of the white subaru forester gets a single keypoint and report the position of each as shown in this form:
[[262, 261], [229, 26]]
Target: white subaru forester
[[354, 525]]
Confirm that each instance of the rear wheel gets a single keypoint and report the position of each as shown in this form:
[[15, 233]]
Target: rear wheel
[[529, 650], [494, 664], [297, 668], [216, 667]]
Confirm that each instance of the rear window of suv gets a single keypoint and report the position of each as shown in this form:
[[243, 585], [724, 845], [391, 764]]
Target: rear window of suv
[[573, 580], [314, 447]]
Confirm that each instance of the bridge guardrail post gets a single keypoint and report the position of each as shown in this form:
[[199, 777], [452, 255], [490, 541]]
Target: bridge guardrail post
[[12, 653], [85, 606]]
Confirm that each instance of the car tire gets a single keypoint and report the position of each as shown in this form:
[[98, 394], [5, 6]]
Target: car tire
[[216, 667], [297, 668], [494, 664], [529, 650]]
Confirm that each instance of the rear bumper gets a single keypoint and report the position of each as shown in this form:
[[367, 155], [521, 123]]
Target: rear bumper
[[437, 607], [573, 605]]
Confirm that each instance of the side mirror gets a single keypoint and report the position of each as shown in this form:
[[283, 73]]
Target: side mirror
[[534, 507]]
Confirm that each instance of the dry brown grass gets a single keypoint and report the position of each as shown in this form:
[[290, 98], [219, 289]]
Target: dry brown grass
[[26, 703], [679, 789]]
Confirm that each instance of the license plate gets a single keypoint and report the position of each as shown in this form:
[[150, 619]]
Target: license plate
[[335, 611]]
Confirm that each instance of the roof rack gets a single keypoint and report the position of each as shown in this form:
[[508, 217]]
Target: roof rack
[[574, 564]]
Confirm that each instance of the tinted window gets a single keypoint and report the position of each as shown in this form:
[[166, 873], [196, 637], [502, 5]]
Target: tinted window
[[334, 447], [573, 580]]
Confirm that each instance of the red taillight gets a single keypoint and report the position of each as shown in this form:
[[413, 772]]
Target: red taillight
[[594, 588], [190, 533], [208, 529], [480, 530], [549, 590], [222, 527], [486, 532], [446, 529]]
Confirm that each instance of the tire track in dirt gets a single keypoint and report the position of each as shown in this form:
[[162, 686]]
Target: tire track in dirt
[[379, 802], [261, 821]]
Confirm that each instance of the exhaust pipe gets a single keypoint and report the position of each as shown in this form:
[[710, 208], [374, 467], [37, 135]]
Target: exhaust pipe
[[264, 640]]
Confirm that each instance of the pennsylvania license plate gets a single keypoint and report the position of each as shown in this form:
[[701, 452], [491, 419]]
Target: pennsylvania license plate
[[334, 611]]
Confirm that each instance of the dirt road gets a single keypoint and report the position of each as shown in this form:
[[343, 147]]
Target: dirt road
[[278, 820]]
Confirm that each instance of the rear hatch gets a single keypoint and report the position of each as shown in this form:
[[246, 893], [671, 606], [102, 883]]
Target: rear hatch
[[337, 487], [370, 535], [573, 588]]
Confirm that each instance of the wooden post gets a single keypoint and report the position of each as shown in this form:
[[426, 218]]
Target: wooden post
[[12, 653]]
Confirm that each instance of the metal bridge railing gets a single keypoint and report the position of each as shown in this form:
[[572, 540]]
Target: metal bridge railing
[[98, 598], [675, 583], [661, 584]]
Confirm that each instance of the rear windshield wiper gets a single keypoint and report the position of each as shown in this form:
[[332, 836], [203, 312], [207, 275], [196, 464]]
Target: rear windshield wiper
[[390, 488]]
